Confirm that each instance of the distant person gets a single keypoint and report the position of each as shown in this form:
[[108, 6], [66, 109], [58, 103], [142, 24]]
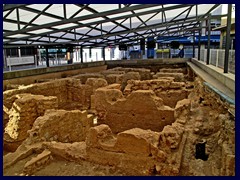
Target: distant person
[[181, 53]]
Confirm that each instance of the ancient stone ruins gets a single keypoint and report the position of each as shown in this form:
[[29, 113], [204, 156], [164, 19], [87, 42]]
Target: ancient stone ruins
[[121, 121]]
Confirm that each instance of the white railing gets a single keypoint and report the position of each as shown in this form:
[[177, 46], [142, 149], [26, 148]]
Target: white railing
[[216, 58], [12, 61]]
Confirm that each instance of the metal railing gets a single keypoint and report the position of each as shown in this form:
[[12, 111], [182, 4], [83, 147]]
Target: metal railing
[[217, 58]]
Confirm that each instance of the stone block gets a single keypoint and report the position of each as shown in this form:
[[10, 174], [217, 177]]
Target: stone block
[[62, 126], [142, 109], [37, 162], [96, 83], [136, 141], [97, 135], [84, 77], [24, 111], [178, 77]]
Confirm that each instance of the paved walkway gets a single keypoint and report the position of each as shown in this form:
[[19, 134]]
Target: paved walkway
[[212, 81]]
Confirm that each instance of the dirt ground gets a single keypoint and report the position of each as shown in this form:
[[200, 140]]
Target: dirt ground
[[61, 167]]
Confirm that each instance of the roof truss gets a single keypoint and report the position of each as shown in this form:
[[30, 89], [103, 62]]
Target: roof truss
[[66, 29]]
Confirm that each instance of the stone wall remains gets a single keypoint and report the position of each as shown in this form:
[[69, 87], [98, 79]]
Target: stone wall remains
[[70, 92], [24, 111], [136, 150], [142, 109], [56, 88], [170, 91], [153, 127], [83, 77], [62, 126], [144, 73]]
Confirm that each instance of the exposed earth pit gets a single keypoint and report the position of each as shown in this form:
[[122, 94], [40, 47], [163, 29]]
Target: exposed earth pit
[[121, 121]]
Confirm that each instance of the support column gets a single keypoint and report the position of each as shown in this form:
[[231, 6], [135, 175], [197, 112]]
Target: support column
[[110, 50], [47, 58], [142, 45], [19, 52], [103, 53], [193, 44], [209, 34], [199, 40], [39, 54], [86, 57], [229, 16], [81, 54], [90, 52], [70, 55], [4, 58], [35, 56]]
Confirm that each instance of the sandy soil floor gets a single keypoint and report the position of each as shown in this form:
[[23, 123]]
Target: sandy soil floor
[[60, 167]]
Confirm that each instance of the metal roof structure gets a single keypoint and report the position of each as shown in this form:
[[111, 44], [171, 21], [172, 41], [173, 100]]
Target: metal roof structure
[[98, 25], [223, 27]]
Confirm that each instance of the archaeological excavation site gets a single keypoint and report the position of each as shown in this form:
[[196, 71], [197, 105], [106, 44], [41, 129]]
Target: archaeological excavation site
[[121, 120]]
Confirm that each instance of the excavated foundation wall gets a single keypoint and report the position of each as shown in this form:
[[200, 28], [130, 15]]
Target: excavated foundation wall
[[142, 151], [146, 104], [140, 109], [202, 118], [56, 88], [22, 114], [21, 110], [62, 126], [211, 124], [27, 77], [167, 89], [139, 129], [67, 91], [55, 126]]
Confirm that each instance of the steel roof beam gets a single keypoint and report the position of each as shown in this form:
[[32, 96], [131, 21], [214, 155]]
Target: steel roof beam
[[209, 11], [105, 17], [125, 31], [142, 28], [187, 14], [101, 44], [18, 18], [146, 21], [119, 39], [32, 24], [140, 19], [6, 15], [202, 16], [121, 22], [44, 13], [150, 32], [114, 28], [31, 34], [190, 19], [177, 16], [39, 14], [164, 14], [92, 45], [134, 29], [30, 40], [24, 23], [80, 10], [7, 7], [86, 17], [101, 21], [170, 28], [181, 13]]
